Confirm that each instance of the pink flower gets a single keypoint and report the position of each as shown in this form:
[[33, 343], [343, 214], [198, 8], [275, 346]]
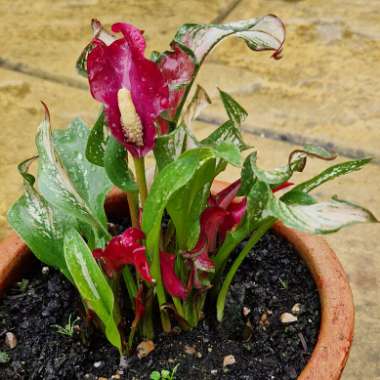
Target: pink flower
[[125, 249], [130, 86], [172, 283]]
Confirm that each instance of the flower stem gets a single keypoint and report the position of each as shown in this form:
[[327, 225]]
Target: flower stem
[[261, 230], [133, 209], [140, 178]]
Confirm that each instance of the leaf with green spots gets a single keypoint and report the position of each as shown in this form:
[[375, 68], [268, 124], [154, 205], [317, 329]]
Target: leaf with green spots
[[97, 140], [169, 147], [116, 166], [327, 175], [319, 151], [227, 132], [92, 284], [236, 113], [251, 172]]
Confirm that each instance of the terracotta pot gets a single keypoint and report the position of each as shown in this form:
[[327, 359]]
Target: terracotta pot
[[337, 321]]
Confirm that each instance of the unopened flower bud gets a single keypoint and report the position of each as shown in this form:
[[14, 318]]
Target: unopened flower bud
[[129, 118]]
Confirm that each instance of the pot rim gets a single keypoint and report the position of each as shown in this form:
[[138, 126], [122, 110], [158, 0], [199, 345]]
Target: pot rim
[[335, 336]]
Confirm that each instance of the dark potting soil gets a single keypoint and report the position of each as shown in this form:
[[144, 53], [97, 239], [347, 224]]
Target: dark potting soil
[[269, 282]]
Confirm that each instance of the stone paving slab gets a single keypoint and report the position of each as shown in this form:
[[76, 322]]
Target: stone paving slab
[[50, 35]]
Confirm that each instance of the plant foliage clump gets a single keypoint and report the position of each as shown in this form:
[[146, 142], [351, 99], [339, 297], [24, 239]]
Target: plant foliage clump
[[183, 229]]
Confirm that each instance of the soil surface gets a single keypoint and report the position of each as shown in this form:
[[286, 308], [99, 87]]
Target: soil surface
[[270, 282]]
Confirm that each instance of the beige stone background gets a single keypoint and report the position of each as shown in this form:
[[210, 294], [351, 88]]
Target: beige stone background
[[325, 90]]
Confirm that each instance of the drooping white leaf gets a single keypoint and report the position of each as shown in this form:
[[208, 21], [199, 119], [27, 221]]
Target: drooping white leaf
[[319, 218], [265, 33]]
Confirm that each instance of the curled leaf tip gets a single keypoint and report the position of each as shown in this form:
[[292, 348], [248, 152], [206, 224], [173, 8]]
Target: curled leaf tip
[[46, 110]]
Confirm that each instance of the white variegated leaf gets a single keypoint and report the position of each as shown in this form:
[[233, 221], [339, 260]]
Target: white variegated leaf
[[319, 218], [265, 33], [67, 180]]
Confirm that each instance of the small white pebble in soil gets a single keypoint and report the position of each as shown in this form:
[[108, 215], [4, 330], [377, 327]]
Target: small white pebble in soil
[[99, 364], [296, 309], [144, 348], [10, 340], [45, 270], [198, 355], [229, 360], [214, 372], [209, 349], [190, 350], [246, 311], [287, 318]]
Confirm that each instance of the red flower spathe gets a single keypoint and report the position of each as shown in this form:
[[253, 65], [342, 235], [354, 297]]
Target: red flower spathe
[[125, 249], [121, 65]]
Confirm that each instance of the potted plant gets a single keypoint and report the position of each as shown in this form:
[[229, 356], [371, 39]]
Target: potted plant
[[161, 262]]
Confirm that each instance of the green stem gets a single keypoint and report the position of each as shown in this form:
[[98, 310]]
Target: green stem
[[133, 209], [130, 284], [147, 330], [256, 236], [140, 178]]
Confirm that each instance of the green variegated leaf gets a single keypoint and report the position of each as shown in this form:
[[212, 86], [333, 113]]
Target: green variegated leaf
[[227, 152], [116, 166], [97, 141], [298, 197], [92, 284], [169, 180], [81, 63], [265, 33], [23, 169], [318, 151], [187, 204], [251, 172], [39, 225], [169, 147], [236, 113], [227, 132], [319, 218], [257, 198], [328, 174], [66, 179]]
